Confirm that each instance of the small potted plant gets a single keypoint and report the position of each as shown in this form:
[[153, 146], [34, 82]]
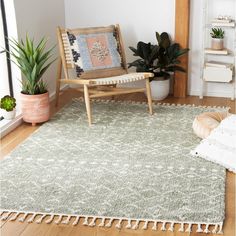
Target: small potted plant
[[33, 61], [217, 35], [162, 60], [8, 107]]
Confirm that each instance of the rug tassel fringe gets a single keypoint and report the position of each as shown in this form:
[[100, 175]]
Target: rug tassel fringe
[[181, 229], [154, 103], [189, 229], [129, 225], [118, 225], [50, 220], [136, 225], [199, 228], [76, 221], [108, 225], [23, 218], [31, 219], [39, 221], [102, 224], [85, 221], [145, 226], [58, 221], [171, 228], [14, 217], [154, 227], [67, 221], [214, 231], [220, 229], [5, 217], [206, 230], [93, 222], [163, 227]]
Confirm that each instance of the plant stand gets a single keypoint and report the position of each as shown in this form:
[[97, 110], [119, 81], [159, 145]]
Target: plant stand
[[224, 70]]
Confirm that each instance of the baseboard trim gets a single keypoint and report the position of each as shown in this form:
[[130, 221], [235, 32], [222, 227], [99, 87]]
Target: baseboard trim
[[211, 94], [52, 95]]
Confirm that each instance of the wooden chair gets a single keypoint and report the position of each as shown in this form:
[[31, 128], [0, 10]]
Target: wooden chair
[[102, 80]]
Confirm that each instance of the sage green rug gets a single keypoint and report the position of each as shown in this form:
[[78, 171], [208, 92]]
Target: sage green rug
[[128, 168]]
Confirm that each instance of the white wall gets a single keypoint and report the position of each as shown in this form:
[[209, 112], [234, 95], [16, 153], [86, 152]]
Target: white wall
[[139, 20], [40, 18]]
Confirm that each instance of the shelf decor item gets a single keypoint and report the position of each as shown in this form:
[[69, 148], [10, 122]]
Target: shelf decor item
[[217, 41], [33, 61], [162, 60], [224, 51], [218, 74], [8, 107]]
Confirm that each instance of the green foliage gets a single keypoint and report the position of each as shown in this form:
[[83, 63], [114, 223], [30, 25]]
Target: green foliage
[[8, 103], [160, 59], [147, 53], [217, 33], [33, 63]]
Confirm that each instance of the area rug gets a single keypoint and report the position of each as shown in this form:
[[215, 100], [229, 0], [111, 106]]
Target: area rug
[[129, 168]]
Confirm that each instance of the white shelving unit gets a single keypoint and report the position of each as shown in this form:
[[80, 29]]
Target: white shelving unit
[[229, 54]]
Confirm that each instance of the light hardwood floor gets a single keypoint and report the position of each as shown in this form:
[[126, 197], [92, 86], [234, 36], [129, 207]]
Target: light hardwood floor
[[16, 228]]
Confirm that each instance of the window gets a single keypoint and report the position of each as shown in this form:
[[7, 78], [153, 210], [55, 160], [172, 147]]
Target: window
[[8, 70], [6, 86]]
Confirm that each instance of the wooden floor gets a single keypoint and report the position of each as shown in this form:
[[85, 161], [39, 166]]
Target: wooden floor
[[16, 228]]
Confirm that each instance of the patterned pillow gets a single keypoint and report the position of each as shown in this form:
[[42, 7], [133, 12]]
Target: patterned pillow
[[94, 50]]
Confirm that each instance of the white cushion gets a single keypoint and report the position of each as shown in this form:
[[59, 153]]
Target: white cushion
[[220, 145]]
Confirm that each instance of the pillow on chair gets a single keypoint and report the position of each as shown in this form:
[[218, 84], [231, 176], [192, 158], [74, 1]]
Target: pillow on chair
[[96, 50]]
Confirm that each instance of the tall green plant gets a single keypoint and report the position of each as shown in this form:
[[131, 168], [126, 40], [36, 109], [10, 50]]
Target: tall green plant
[[168, 55], [33, 61]]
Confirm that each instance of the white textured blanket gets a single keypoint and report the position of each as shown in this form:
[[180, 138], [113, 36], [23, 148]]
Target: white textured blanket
[[220, 145]]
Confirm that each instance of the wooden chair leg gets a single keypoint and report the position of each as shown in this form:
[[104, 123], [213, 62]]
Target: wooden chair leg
[[113, 97], [87, 103], [149, 96], [59, 69]]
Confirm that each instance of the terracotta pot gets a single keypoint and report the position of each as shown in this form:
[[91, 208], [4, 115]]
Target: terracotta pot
[[35, 108], [217, 44]]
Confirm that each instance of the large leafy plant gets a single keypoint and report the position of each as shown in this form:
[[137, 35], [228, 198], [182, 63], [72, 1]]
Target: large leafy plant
[[160, 59], [148, 53], [33, 61], [168, 56], [8, 103]]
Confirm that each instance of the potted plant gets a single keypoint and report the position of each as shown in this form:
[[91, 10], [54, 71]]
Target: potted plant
[[162, 60], [217, 41], [8, 107], [33, 61]]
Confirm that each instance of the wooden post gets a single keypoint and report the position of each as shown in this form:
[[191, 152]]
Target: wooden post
[[182, 18]]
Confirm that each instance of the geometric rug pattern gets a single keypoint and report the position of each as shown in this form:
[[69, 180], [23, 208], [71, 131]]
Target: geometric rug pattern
[[127, 166]]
